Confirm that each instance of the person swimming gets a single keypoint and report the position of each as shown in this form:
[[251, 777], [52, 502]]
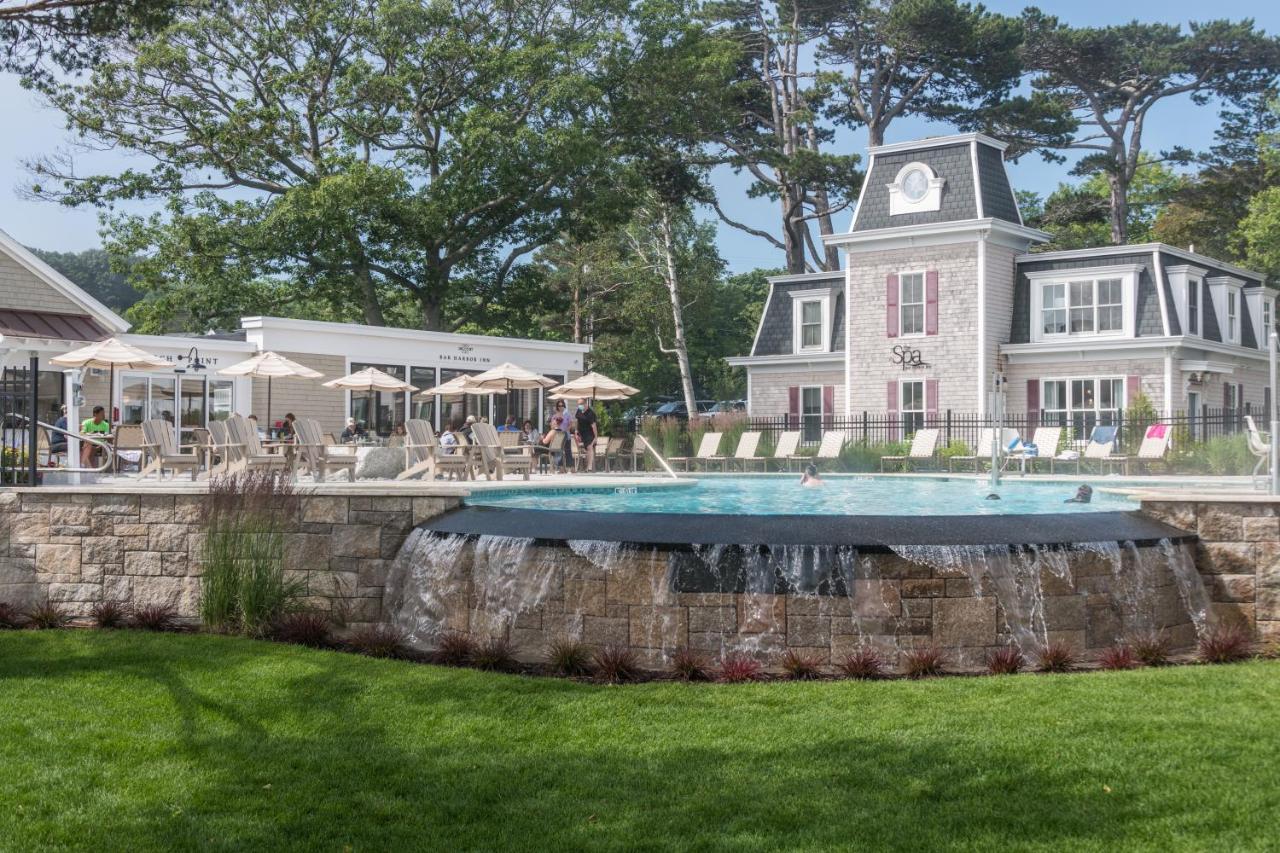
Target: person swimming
[[811, 477], [1084, 495]]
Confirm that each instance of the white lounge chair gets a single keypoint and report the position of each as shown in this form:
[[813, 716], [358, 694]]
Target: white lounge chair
[[494, 462], [924, 444], [788, 443], [1100, 449], [707, 450], [981, 451], [1259, 445], [829, 449], [163, 450], [246, 450], [1045, 440], [318, 456], [1155, 444], [747, 444]]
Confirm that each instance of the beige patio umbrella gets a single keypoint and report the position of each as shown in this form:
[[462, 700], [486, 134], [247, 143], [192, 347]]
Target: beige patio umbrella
[[269, 365], [595, 386], [508, 377], [109, 355], [370, 379], [455, 387]]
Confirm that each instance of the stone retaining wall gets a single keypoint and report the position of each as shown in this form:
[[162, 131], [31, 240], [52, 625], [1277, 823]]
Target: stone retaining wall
[[76, 549]]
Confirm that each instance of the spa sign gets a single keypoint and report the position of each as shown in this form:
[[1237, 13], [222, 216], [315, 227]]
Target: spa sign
[[908, 358]]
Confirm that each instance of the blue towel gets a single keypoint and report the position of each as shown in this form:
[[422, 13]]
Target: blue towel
[[1103, 435]]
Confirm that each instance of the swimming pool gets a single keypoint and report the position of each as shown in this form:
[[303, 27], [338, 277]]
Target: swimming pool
[[892, 496]]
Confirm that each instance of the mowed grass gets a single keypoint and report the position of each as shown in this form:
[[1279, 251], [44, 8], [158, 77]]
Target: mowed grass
[[128, 740]]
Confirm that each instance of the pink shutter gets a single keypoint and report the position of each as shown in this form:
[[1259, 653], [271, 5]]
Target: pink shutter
[[1132, 388], [931, 396], [892, 396], [891, 305], [828, 405], [892, 408], [793, 407], [931, 302], [1033, 403]]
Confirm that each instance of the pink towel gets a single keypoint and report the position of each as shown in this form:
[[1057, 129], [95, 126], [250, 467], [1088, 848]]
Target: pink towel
[[1156, 431]]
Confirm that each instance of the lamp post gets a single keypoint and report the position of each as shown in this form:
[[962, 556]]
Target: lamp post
[[997, 418], [195, 363], [1274, 347]]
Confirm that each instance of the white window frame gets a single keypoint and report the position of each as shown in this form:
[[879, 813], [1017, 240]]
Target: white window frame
[[1126, 273], [912, 418], [1069, 412], [1196, 284], [923, 303], [929, 202], [1221, 289], [798, 298], [1233, 316], [1268, 321], [1181, 277]]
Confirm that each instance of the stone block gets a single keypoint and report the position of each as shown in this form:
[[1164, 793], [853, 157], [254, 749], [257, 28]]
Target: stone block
[[960, 588], [391, 504], [964, 622], [924, 588], [129, 529], [1266, 557], [102, 549], [917, 607], [876, 599], [69, 515], [639, 582], [181, 593], [373, 573], [428, 508], [603, 631], [1238, 588], [62, 593], [356, 540], [1268, 604], [22, 594], [1179, 514], [332, 584], [1225, 558], [1065, 612], [127, 505], [28, 527], [1261, 529], [658, 627], [188, 509], [17, 570], [167, 537], [761, 612], [143, 563], [808, 631], [529, 619], [1215, 523], [711, 644], [715, 619], [324, 510], [1051, 584], [367, 609], [58, 559], [306, 552], [1228, 612], [586, 597], [156, 509]]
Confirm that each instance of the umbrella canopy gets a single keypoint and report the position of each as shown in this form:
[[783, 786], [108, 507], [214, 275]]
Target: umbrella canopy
[[109, 354], [596, 386], [455, 387], [508, 377], [370, 379], [270, 365]]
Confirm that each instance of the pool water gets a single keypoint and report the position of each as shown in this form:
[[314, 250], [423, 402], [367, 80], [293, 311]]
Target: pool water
[[838, 496]]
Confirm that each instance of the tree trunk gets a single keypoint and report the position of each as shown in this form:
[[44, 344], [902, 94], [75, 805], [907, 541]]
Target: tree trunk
[[432, 316], [1119, 209], [370, 306], [677, 311], [875, 134]]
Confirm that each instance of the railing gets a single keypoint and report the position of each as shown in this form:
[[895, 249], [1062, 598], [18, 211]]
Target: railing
[[640, 439], [10, 471]]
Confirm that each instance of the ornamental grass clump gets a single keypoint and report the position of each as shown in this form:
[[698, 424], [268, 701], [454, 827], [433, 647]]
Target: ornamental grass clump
[[378, 641], [569, 658], [1225, 644], [496, 654], [10, 616], [46, 616], [110, 614], [1056, 656], [688, 665], [1117, 657], [303, 628], [1006, 660], [616, 664], [927, 662], [155, 617], [739, 668], [244, 585], [801, 667], [1152, 648], [864, 663], [454, 648]]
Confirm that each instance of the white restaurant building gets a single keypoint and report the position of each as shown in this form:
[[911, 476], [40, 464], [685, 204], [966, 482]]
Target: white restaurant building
[[45, 314]]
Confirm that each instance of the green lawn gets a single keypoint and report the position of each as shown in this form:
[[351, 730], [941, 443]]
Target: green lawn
[[125, 740]]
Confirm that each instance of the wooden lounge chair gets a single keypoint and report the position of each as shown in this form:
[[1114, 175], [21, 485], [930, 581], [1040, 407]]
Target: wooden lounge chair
[[747, 444], [924, 444], [828, 449], [614, 453], [784, 452], [456, 460], [707, 450], [419, 450], [130, 446], [1102, 445], [1155, 444], [981, 451], [163, 451], [1046, 441], [247, 450], [222, 450], [493, 461], [318, 456]]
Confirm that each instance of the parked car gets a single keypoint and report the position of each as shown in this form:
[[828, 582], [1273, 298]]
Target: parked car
[[631, 417], [725, 407], [679, 410]]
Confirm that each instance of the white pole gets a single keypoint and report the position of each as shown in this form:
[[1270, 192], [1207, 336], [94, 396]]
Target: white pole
[[1275, 418], [71, 391], [997, 417]]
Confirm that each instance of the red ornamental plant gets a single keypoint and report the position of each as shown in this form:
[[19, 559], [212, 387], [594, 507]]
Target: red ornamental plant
[[379, 641], [10, 617], [454, 649], [1225, 644], [110, 614], [303, 628], [570, 658], [739, 668], [46, 615], [927, 662], [688, 665], [616, 664], [801, 667], [155, 617], [1119, 656], [1152, 648], [1006, 660], [496, 654], [1057, 656], [864, 663]]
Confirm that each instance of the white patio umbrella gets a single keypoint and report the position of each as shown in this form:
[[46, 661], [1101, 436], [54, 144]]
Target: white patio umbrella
[[595, 386], [508, 377], [108, 355], [269, 365], [455, 387], [370, 379]]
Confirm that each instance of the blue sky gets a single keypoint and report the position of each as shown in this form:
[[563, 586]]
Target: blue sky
[[35, 129]]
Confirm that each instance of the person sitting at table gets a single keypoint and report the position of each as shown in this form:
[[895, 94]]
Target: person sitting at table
[[97, 425], [253, 422], [353, 432], [58, 440], [528, 435], [449, 438], [509, 425], [397, 437], [287, 430]]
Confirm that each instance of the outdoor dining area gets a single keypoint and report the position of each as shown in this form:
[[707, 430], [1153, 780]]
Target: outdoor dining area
[[95, 447]]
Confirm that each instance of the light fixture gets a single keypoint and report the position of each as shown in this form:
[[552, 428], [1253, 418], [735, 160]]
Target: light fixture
[[193, 360]]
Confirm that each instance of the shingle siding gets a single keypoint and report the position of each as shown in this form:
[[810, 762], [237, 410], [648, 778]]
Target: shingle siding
[[1149, 324], [776, 331], [950, 162], [997, 195], [21, 288]]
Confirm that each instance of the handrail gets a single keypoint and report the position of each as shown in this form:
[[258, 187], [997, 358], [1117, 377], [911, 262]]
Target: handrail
[[107, 446], [656, 455]]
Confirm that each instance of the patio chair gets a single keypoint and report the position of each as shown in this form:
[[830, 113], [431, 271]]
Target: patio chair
[[1259, 445], [1045, 443], [707, 450], [222, 450], [318, 456], [163, 451], [747, 444], [981, 451], [419, 450], [130, 446], [784, 452], [245, 445], [828, 449], [1101, 446], [493, 461], [924, 444], [615, 451], [1155, 444], [458, 459], [550, 454]]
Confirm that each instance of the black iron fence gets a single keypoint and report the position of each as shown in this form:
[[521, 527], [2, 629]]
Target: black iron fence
[[19, 403]]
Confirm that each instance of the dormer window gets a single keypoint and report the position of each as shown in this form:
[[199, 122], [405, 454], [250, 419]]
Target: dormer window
[[1267, 327], [1083, 302], [811, 310], [915, 189], [1194, 288], [1226, 293], [1233, 313]]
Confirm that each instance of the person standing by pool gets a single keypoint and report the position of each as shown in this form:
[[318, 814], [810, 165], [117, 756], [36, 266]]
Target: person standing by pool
[[97, 425], [587, 420], [563, 415]]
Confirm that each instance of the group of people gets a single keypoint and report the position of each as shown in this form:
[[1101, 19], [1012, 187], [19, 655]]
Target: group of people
[[578, 432], [94, 426]]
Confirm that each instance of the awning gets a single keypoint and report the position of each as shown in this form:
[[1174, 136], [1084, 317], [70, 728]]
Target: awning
[[50, 325]]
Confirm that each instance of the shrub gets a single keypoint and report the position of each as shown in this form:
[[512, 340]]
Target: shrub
[[801, 667], [1225, 644], [569, 657], [46, 616], [1152, 648], [1006, 660], [1119, 656], [303, 628], [739, 668], [378, 641], [863, 458], [864, 663], [454, 649], [669, 431], [496, 654], [110, 614], [1056, 656], [688, 665], [10, 617], [155, 617], [927, 662], [956, 447], [616, 664]]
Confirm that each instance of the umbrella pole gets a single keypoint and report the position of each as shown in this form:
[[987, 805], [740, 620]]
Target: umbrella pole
[[111, 396], [268, 407]]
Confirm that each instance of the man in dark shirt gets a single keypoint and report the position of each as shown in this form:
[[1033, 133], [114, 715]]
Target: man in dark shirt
[[587, 420]]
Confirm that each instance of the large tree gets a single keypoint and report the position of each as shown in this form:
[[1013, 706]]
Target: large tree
[[357, 150], [71, 34], [1111, 77], [1078, 215]]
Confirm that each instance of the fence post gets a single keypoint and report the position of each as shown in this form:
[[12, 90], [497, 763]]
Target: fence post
[[33, 431], [948, 443]]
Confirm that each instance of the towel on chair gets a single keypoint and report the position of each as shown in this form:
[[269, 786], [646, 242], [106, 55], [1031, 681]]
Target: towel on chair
[[1156, 431]]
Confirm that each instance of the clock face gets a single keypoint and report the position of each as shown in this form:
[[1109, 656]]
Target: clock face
[[915, 185]]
